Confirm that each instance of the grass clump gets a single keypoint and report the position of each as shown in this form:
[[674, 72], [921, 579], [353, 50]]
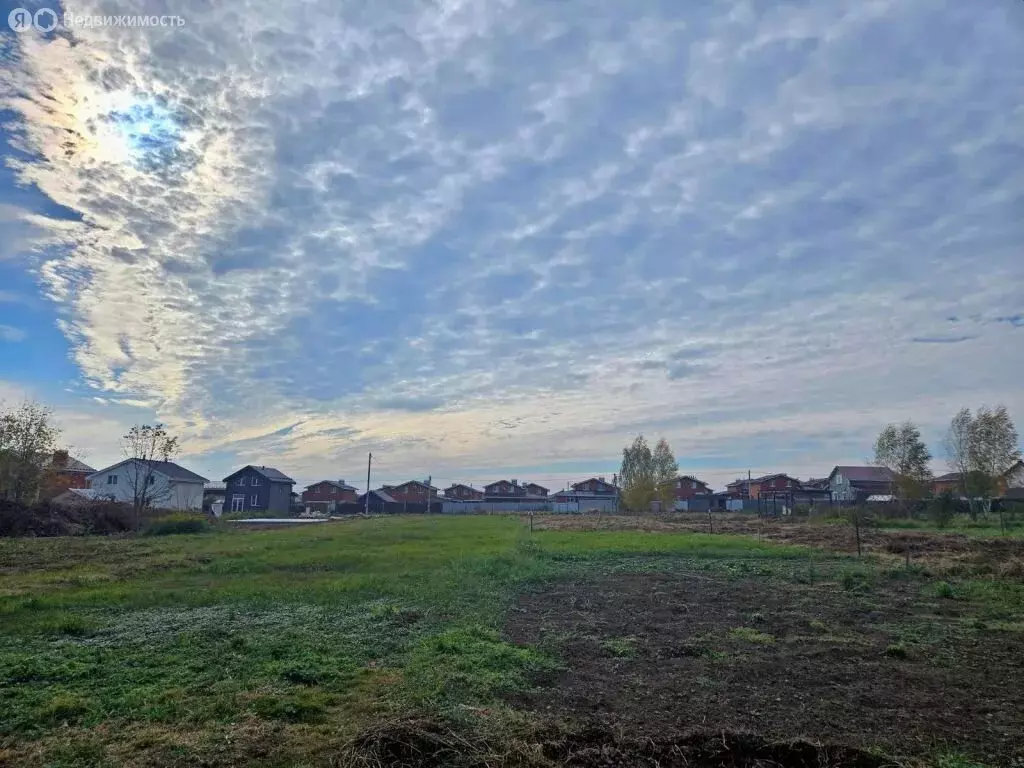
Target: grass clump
[[896, 651], [944, 590], [177, 523], [620, 647], [751, 635]]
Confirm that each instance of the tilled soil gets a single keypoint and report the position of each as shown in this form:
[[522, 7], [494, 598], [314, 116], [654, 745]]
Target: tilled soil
[[657, 654]]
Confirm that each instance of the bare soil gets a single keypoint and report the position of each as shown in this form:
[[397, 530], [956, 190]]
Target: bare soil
[[655, 655]]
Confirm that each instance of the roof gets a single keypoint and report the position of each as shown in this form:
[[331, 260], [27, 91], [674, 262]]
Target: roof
[[535, 485], [864, 474], [271, 474], [215, 486], [949, 477], [341, 484], [384, 496], [412, 482], [72, 464], [167, 468]]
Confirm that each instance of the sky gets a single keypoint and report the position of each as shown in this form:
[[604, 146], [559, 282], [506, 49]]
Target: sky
[[491, 239]]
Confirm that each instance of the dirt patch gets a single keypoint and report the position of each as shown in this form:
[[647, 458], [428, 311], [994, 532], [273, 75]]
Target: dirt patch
[[426, 744], [656, 654]]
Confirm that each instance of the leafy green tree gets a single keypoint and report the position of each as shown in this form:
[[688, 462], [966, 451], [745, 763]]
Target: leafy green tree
[[666, 470], [981, 447], [900, 449], [28, 439], [637, 476]]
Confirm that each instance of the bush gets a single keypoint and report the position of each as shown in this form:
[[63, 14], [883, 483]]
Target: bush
[[943, 508], [45, 519], [178, 522]]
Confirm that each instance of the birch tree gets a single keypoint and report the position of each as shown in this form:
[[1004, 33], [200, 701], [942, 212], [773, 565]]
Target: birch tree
[[900, 449], [665, 471], [637, 476], [981, 448]]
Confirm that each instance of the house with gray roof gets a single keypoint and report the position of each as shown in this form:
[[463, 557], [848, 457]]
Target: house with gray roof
[[153, 484], [258, 490], [858, 483]]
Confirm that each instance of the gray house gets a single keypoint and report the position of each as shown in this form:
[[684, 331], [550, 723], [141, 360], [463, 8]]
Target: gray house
[[258, 490]]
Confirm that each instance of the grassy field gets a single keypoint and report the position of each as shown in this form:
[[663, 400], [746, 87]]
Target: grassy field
[[279, 647]]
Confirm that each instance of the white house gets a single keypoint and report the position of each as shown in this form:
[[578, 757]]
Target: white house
[[162, 484]]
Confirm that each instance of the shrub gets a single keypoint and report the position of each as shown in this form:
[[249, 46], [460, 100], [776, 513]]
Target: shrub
[[178, 522], [45, 519], [945, 590], [896, 651]]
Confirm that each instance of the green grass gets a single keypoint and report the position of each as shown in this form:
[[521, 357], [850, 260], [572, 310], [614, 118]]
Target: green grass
[[169, 645], [336, 622]]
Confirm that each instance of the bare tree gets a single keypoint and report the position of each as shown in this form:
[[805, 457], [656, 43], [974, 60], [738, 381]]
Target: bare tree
[[145, 446], [900, 449], [28, 439]]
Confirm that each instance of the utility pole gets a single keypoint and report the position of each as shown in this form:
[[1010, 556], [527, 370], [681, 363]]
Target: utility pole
[[369, 461], [430, 479]]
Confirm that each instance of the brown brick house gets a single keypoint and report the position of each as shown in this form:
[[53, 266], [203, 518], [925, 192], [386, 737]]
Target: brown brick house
[[461, 492], [326, 495]]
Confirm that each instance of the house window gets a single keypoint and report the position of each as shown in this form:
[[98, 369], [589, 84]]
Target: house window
[[255, 481], [254, 501], [241, 480], [237, 502], [111, 479], [693, 485], [679, 483]]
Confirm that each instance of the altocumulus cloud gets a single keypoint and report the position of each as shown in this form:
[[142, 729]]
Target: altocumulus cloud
[[330, 226]]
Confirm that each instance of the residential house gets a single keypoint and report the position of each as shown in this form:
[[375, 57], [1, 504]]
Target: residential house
[[1012, 482], [595, 486], [511, 490], [738, 488], [259, 489], [848, 483], [773, 485], [689, 487], [325, 496], [951, 482], [412, 492], [214, 495], [159, 484], [381, 502], [460, 492], [63, 473]]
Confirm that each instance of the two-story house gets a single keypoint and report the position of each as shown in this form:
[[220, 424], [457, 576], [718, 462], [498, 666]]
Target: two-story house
[[851, 483], [688, 487], [460, 492], [64, 473], [260, 489], [511, 490], [595, 486], [325, 496], [412, 492], [1011, 484], [149, 484]]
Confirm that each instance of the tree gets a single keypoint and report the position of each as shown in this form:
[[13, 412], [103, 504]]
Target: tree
[[665, 471], [145, 445], [637, 477], [900, 449], [28, 439], [981, 447]]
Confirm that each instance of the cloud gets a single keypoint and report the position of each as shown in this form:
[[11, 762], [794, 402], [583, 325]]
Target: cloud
[[11, 334], [403, 227]]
